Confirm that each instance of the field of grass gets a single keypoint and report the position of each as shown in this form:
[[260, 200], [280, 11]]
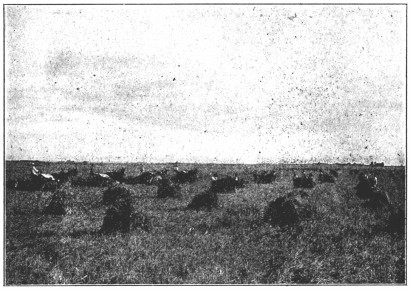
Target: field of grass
[[343, 242]]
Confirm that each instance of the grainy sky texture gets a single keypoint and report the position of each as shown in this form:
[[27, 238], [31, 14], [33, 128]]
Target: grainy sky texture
[[208, 83]]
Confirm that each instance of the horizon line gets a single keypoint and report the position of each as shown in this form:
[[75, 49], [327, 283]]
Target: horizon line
[[205, 163]]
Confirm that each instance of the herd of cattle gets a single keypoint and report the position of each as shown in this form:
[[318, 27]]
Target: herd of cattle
[[168, 181], [119, 215]]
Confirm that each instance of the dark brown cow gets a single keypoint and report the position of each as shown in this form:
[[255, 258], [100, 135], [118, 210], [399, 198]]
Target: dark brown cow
[[226, 184], [185, 176], [264, 177]]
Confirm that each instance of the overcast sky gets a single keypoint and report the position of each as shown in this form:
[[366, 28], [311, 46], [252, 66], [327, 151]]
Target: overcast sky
[[206, 83]]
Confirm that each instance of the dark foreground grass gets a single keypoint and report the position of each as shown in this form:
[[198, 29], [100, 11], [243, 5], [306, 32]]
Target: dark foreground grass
[[343, 242]]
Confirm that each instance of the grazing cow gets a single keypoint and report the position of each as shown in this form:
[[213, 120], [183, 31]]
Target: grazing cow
[[184, 175], [103, 175], [264, 177], [41, 181], [102, 179], [64, 175], [325, 177], [226, 184], [367, 189], [147, 177], [304, 181], [37, 174], [117, 174], [99, 179]]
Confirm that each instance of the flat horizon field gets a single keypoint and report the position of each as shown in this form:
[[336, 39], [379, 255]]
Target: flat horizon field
[[343, 242]]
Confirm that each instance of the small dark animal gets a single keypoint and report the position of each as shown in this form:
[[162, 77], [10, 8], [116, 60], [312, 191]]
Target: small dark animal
[[206, 200]]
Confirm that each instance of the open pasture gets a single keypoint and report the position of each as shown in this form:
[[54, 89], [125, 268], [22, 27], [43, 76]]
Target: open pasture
[[343, 242]]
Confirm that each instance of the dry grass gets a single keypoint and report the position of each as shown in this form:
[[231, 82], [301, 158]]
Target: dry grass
[[344, 241]]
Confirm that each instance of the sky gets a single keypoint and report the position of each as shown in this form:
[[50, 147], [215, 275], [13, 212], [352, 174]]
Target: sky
[[206, 83]]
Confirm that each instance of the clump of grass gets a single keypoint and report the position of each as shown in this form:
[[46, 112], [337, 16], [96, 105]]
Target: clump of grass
[[140, 220]]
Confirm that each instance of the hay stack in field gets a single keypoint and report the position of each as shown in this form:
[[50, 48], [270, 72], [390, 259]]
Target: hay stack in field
[[166, 188], [57, 205], [206, 200], [287, 210], [118, 214], [60, 203]]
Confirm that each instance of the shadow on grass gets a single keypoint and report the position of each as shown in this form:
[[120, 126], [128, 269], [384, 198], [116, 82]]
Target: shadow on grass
[[79, 233]]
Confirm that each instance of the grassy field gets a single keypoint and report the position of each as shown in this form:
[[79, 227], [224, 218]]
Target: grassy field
[[343, 242]]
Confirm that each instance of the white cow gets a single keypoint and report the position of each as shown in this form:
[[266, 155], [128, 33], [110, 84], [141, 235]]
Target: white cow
[[37, 173], [103, 175]]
